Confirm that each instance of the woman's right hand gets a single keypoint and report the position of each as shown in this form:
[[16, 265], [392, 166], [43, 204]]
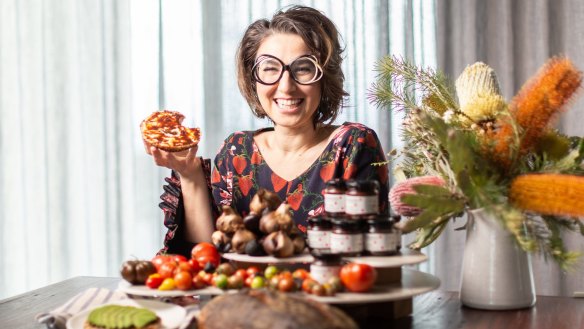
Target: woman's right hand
[[185, 163]]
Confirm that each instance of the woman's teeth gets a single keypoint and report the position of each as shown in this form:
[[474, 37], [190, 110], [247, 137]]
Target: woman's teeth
[[287, 103]]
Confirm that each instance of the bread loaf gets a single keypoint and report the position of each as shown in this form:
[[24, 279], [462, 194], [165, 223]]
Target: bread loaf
[[259, 309]]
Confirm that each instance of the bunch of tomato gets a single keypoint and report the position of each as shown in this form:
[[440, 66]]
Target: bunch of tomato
[[205, 269], [178, 272]]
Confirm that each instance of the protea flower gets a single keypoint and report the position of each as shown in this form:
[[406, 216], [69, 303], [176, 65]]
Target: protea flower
[[407, 187]]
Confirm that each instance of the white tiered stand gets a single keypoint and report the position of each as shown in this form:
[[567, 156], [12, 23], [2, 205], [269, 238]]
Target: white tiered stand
[[390, 298]]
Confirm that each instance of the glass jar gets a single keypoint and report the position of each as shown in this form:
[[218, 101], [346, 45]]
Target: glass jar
[[361, 198], [395, 219], [318, 233], [380, 236], [346, 237], [334, 196], [325, 266]]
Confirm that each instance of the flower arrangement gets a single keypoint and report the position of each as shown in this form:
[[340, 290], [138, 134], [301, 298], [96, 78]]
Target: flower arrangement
[[467, 148]]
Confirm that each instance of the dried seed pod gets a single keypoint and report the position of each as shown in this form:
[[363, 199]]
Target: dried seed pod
[[299, 244], [269, 222], [229, 221], [220, 239], [284, 217], [278, 244], [264, 199], [240, 240]]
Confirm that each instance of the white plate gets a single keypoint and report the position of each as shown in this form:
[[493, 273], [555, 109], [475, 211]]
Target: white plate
[[144, 291], [171, 315], [406, 257], [302, 258], [412, 283]]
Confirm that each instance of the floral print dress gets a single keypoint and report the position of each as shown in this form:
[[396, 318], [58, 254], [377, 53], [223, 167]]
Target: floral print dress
[[240, 171]]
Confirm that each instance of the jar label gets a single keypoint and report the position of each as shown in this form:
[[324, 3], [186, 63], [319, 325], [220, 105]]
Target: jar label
[[377, 242], [322, 273], [319, 239], [334, 203], [361, 205], [341, 243]]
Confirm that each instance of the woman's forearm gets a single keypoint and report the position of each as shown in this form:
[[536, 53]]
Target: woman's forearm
[[197, 205]]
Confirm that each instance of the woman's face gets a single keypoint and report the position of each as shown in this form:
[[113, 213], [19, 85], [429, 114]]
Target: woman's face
[[288, 103]]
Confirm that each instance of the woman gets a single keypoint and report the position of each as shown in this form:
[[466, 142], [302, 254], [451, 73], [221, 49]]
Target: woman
[[289, 71]]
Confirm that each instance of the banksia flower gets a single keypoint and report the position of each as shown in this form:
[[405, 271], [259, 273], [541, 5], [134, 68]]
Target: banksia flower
[[549, 194], [538, 102], [479, 95], [407, 187]]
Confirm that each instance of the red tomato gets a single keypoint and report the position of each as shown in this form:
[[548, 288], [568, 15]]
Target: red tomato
[[199, 282], [167, 270], [204, 259], [154, 281], [183, 280], [204, 248], [195, 266], [301, 274], [358, 277], [242, 273], [158, 260], [252, 271], [184, 266], [178, 258]]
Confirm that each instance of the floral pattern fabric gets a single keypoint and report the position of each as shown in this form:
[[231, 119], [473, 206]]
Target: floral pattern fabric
[[240, 171]]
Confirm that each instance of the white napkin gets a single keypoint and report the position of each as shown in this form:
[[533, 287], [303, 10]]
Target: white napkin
[[93, 297]]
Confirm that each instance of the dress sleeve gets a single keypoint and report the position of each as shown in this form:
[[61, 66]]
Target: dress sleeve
[[365, 160], [174, 214]]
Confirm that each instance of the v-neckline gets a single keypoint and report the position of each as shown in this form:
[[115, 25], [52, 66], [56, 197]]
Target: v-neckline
[[334, 135]]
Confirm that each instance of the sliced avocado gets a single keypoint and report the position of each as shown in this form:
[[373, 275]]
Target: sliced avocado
[[144, 317]]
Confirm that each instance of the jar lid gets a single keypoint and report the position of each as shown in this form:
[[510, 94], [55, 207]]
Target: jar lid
[[326, 256], [350, 224], [363, 185], [319, 221], [336, 183], [380, 221]]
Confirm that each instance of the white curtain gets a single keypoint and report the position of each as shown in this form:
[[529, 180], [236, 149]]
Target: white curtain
[[78, 195]]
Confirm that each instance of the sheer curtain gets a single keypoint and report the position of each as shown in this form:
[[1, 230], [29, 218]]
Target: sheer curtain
[[78, 195], [515, 37]]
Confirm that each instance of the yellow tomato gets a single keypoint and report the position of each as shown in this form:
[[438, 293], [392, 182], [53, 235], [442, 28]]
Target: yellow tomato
[[167, 284]]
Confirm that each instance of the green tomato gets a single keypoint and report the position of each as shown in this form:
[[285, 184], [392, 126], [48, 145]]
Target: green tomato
[[221, 281], [258, 282], [270, 272]]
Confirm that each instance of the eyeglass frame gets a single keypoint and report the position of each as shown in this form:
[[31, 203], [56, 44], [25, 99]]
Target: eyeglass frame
[[286, 67]]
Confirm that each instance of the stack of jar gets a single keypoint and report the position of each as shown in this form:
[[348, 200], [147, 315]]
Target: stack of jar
[[352, 224]]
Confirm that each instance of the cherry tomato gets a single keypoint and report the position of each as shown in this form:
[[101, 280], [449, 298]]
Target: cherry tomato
[[195, 266], [167, 284], [308, 284], [204, 259], [167, 270], [301, 274], [252, 271], [154, 281], [242, 273], [286, 285], [358, 277], [199, 282], [178, 258], [158, 260], [183, 280], [184, 266], [220, 281]]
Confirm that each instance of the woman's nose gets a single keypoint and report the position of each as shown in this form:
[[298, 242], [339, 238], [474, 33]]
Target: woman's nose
[[287, 83]]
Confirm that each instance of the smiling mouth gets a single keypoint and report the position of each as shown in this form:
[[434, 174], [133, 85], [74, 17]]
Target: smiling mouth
[[287, 104]]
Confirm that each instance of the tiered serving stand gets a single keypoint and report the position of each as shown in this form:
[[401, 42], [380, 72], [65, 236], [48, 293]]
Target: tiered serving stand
[[390, 298]]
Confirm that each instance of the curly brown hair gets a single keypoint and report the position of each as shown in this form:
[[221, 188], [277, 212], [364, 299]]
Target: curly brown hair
[[322, 38]]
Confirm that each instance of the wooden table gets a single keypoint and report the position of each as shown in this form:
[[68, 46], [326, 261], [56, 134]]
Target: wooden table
[[437, 309]]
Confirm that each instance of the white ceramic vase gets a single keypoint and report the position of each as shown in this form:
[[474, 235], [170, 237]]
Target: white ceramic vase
[[496, 272]]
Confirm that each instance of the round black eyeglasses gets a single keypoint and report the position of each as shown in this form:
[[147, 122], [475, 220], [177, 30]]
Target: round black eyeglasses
[[305, 70]]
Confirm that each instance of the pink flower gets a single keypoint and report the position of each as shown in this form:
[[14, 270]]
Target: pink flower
[[407, 187]]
